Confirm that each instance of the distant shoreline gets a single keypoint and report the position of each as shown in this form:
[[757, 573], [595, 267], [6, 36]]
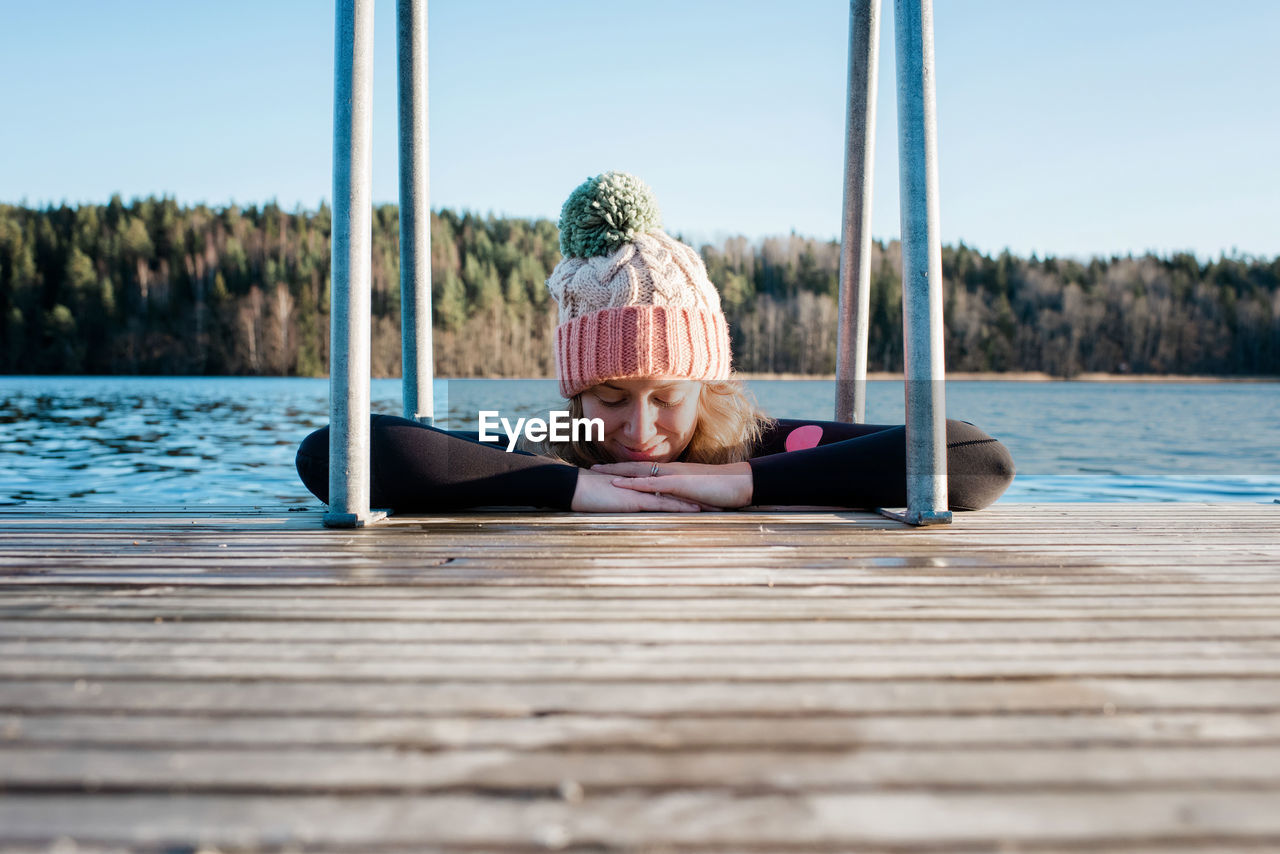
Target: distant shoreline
[[1037, 376]]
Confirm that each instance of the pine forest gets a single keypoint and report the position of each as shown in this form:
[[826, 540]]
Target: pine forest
[[151, 287]]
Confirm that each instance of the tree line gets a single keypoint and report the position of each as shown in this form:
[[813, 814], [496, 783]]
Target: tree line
[[151, 287]]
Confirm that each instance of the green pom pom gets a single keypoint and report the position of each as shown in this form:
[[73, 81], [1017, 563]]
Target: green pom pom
[[604, 212]]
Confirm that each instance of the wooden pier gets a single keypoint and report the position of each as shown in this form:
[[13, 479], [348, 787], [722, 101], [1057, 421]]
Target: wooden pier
[[1092, 678]]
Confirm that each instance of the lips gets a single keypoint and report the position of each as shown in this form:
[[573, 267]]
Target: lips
[[631, 454]]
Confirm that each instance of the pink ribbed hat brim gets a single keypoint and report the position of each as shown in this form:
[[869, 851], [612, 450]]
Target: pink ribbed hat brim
[[636, 341]]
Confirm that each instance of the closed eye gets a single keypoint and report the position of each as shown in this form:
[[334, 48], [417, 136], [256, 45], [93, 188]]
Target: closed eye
[[665, 404]]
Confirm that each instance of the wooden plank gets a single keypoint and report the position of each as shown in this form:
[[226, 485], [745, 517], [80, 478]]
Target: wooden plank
[[693, 818], [747, 547], [777, 532], [864, 590], [959, 607], [609, 670], [1186, 521], [742, 546], [1185, 518], [589, 731], [173, 570], [849, 580], [747, 601], [273, 771], [652, 697], [1010, 628], [1201, 845], [165, 650]]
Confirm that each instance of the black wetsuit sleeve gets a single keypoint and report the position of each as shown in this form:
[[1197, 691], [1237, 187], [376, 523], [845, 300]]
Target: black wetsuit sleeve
[[415, 468], [865, 465]]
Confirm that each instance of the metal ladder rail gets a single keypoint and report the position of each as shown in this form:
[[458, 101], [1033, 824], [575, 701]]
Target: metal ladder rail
[[924, 369], [418, 370], [352, 244]]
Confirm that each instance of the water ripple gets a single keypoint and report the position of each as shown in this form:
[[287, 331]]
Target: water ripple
[[211, 440]]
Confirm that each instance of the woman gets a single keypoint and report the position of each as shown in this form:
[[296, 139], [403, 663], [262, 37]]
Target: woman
[[643, 346]]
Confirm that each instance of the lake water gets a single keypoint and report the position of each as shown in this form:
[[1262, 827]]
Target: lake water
[[212, 440]]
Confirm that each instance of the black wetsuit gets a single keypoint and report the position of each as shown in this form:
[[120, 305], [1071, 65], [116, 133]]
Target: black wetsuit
[[417, 468]]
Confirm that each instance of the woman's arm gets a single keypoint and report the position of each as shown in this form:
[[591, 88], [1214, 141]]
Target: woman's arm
[[415, 468], [861, 465], [829, 463]]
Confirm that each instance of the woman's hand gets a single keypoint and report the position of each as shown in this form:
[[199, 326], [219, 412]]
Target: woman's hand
[[711, 486], [597, 493]]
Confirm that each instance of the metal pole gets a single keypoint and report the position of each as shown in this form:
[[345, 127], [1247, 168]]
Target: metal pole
[[921, 266], [415, 212], [855, 234], [350, 267]]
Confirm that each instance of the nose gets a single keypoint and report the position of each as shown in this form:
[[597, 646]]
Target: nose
[[642, 425]]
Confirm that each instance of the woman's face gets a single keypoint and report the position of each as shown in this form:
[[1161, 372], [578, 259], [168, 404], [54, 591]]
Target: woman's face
[[651, 420]]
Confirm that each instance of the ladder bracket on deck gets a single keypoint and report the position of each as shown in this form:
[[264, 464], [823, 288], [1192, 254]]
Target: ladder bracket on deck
[[354, 520], [919, 519]]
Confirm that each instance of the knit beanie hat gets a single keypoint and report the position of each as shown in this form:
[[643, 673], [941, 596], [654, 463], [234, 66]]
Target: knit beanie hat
[[634, 302]]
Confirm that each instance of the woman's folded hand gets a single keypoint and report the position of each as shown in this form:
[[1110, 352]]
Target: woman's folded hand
[[711, 486], [598, 493]]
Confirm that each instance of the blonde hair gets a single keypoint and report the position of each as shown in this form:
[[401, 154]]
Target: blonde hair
[[728, 425]]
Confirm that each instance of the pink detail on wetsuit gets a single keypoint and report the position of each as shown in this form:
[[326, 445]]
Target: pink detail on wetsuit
[[807, 436]]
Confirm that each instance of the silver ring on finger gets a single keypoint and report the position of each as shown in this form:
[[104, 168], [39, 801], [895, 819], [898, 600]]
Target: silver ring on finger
[[653, 472]]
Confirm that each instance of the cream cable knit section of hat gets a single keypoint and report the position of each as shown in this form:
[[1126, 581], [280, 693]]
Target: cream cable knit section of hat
[[652, 269], [634, 302]]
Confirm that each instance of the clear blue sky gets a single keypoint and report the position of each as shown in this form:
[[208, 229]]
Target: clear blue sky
[[1070, 128]]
